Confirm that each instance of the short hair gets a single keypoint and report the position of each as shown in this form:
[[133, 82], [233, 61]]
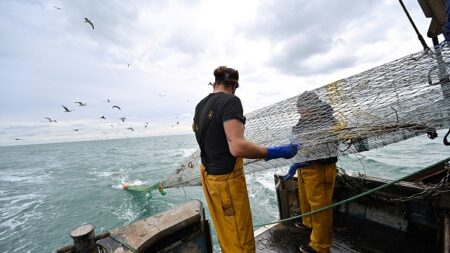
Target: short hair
[[226, 76], [308, 99]]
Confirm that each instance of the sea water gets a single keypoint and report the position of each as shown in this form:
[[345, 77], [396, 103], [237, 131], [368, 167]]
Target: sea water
[[47, 190]]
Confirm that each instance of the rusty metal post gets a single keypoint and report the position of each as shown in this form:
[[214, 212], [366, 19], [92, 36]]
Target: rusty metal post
[[84, 239]]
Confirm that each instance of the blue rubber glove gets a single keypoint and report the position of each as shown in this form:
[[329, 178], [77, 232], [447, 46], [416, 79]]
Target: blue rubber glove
[[284, 151], [293, 169]]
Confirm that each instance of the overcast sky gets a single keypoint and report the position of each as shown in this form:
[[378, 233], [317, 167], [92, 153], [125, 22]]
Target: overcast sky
[[154, 59]]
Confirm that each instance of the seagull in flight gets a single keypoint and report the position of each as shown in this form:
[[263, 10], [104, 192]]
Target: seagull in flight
[[86, 20], [129, 64], [161, 94], [81, 103], [115, 106], [51, 120], [58, 8], [107, 100], [76, 130], [18, 139], [123, 119], [66, 109], [102, 117], [130, 128], [146, 124]]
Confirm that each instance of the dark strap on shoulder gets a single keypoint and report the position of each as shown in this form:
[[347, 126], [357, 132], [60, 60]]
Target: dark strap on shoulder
[[201, 130]]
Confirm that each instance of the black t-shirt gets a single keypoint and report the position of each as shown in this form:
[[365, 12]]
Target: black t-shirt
[[210, 114]]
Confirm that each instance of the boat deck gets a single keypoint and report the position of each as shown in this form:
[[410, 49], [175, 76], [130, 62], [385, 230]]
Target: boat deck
[[350, 236]]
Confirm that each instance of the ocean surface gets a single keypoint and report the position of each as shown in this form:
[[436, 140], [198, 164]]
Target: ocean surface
[[47, 190]]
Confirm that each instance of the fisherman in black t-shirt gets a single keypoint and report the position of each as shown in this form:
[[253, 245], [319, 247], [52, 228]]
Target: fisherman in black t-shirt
[[219, 129]]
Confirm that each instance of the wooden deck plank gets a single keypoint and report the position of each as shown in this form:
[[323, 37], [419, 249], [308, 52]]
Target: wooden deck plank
[[350, 236]]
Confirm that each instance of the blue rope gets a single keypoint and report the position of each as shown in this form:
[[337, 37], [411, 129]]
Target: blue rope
[[446, 29]]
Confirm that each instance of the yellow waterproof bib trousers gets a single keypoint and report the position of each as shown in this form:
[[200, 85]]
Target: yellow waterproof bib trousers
[[316, 185], [227, 199]]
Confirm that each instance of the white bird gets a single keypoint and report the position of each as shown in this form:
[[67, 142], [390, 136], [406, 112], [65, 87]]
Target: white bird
[[81, 103], [161, 94], [86, 20], [56, 7], [130, 128], [66, 109]]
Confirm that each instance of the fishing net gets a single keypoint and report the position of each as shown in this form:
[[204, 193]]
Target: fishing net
[[387, 104]]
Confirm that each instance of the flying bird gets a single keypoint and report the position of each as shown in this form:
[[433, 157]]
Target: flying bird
[[56, 7], [18, 139], [66, 109], [123, 119], [76, 130], [102, 117], [115, 106], [81, 103], [129, 64], [86, 20], [130, 128], [51, 120], [161, 94], [146, 124], [107, 100]]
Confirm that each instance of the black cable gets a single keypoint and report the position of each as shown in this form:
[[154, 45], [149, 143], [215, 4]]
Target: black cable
[[446, 142], [424, 44]]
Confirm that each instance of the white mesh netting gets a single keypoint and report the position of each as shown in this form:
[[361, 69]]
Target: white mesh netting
[[383, 105]]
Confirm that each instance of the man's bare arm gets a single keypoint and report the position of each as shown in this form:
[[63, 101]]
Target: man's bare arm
[[239, 146]]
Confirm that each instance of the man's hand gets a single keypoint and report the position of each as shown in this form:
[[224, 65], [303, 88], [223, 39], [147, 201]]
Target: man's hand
[[284, 151], [293, 169]]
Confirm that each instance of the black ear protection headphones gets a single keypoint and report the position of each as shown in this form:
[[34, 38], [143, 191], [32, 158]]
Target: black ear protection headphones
[[228, 72], [227, 75]]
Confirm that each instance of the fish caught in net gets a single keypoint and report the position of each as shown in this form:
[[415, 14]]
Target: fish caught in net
[[387, 104]]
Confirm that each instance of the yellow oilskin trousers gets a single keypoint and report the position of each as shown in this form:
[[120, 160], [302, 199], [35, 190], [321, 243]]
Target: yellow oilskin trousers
[[229, 207], [316, 185]]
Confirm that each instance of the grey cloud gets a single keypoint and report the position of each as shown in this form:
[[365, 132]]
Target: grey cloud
[[282, 19], [113, 20], [116, 25], [302, 47], [187, 41], [326, 67], [304, 29]]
